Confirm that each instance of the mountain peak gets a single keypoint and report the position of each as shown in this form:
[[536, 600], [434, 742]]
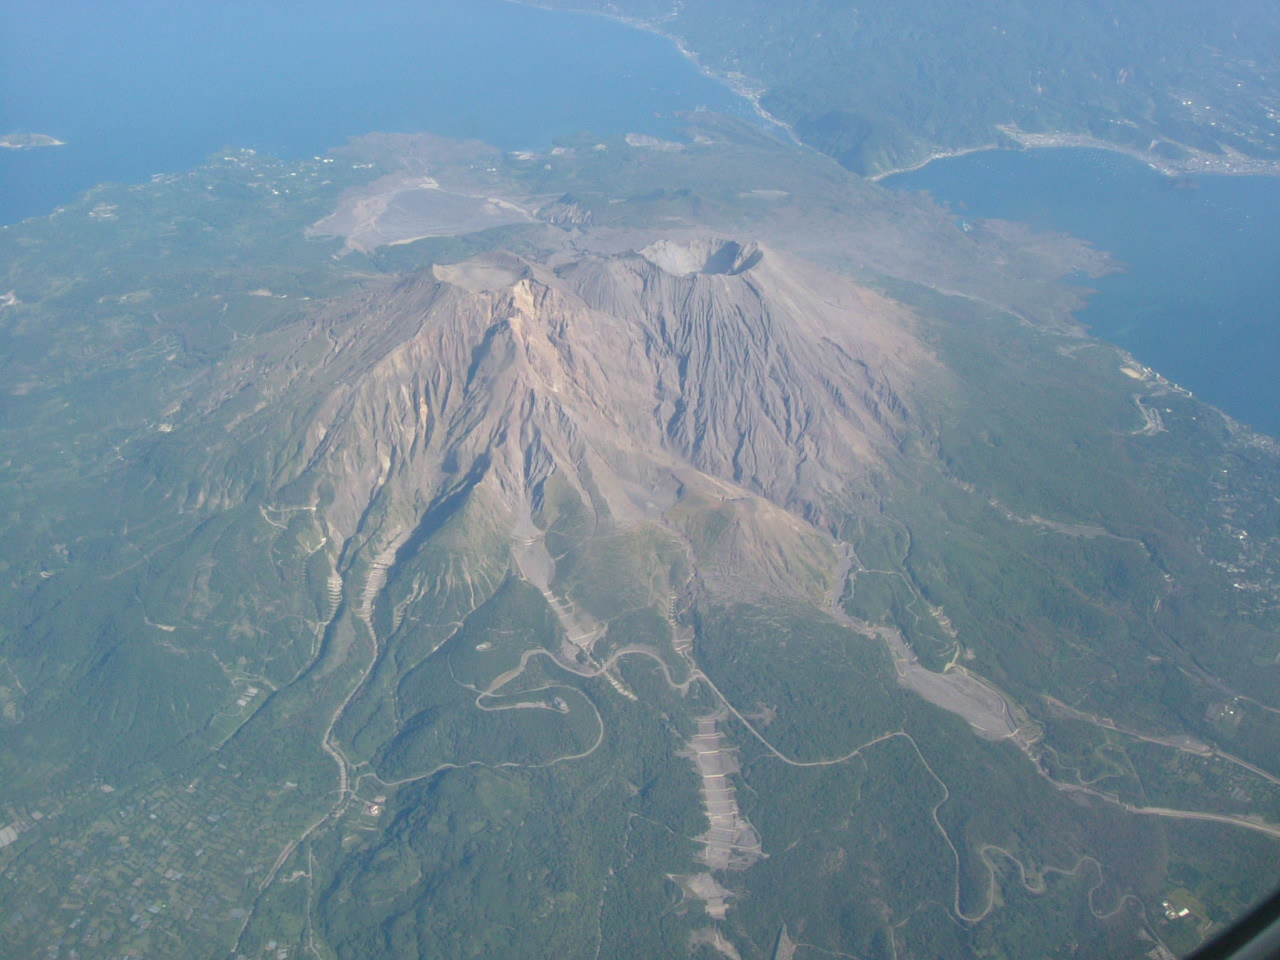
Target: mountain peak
[[730, 371]]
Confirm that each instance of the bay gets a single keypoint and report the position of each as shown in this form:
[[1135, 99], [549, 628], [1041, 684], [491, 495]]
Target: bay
[[1199, 296], [140, 87]]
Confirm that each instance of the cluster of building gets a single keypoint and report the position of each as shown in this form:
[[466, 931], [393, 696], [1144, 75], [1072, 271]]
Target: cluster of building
[[1174, 912]]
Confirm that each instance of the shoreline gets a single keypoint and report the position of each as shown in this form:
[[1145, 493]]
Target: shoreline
[[738, 84], [941, 155], [1199, 162]]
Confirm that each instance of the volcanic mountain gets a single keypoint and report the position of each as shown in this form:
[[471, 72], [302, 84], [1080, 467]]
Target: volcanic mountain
[[711, 371], [725, 556]]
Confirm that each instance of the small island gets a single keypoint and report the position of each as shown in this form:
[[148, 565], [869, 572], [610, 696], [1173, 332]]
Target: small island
[[26, 141]]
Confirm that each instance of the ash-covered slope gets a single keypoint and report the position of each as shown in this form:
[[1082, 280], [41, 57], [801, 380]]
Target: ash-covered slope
[[732, 371], [771, 373]]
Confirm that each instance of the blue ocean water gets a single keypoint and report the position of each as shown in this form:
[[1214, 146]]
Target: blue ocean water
[[1199, 299], [138, 87]]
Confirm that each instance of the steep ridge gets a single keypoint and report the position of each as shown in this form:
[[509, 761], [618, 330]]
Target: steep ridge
[[774, 380], [773, 374]]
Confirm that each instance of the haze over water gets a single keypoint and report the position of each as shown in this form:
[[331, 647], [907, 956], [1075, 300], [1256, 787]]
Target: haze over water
[[139, 87], [1200, 297]]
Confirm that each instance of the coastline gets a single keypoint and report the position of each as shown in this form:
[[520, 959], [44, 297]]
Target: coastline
[[940, 155], [1228, 164], [1198, 162], [1234, 165], [737, 83]]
